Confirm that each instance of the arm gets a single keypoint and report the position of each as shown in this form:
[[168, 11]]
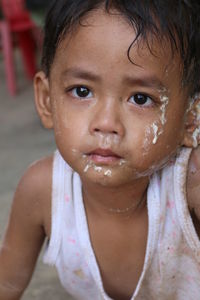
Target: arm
[[24, 235]]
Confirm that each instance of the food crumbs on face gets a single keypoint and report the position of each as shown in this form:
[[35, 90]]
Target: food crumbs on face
[[147, 140], [155, 132], [74, 151], [97, 169], [108, 173], [122, 162], [165, 100], [86, 168]]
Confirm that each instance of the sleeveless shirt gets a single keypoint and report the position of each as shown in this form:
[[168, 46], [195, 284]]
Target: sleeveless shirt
[[172, 261]]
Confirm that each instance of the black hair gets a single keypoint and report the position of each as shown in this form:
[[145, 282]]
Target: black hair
[[176, 20]]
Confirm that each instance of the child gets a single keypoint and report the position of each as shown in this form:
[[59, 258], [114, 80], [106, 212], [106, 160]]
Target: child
[[119, 86]]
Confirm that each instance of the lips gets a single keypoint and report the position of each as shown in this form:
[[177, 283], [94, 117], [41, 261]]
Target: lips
[[103, 156]]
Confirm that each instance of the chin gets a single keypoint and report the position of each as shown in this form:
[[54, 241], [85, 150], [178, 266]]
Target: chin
[[106, 179]]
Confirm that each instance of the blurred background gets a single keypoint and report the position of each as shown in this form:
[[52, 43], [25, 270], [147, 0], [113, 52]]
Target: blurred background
[[22, 137]]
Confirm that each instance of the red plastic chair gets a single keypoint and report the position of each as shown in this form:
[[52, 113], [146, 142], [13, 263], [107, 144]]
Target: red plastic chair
[[18, 22], [6, 45]]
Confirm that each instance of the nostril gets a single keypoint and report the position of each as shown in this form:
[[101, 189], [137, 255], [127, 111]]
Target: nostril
[[113, 132]]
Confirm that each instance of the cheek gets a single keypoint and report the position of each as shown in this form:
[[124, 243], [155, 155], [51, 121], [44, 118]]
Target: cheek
[[161, 139], [146, 134], [159, 144], [64, 118], [151, 135], [165, 132]]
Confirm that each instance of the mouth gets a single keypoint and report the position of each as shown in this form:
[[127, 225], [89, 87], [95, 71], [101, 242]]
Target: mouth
[[103, 156]]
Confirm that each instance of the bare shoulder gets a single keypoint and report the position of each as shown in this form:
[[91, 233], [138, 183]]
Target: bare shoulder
[[193, 185], [26, 229], [37, 177], [33, 193]]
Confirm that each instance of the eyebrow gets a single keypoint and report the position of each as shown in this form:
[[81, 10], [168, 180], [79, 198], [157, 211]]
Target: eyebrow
[[80, 74], [143, 80]]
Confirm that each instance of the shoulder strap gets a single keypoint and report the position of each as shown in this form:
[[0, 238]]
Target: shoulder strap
[[60, 183], [180, 176]]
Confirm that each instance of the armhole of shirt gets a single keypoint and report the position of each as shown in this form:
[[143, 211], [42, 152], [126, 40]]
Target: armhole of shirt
[[57, 201], [185, 219]]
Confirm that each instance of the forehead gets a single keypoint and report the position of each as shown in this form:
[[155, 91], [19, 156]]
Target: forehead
[[102, 38]]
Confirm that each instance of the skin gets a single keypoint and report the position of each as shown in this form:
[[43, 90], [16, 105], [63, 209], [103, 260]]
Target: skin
[[107, 118]]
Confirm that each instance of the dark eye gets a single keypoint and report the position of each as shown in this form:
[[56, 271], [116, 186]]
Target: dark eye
[[81, 92], [141, 99]]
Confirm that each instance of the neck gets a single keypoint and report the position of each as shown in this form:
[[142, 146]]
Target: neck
[[120, 201]]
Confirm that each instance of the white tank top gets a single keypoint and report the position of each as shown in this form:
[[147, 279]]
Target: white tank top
[[172, 262]]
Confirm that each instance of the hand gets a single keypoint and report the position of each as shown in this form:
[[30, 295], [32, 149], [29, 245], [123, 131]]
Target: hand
[[193, 182]]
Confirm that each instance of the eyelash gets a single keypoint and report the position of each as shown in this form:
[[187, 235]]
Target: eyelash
[[70, 90], [87, 90], [148, 98]]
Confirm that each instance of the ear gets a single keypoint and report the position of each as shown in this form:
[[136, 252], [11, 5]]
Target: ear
[[42, 99], [192, 124]]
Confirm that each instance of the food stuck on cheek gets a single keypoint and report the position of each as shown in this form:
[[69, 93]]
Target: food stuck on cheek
[[165, 101], [152, 133], [151, 136], [154, 126], [147, 140]]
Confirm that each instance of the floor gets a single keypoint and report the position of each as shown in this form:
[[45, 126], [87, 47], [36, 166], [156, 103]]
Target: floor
[[23, 140]]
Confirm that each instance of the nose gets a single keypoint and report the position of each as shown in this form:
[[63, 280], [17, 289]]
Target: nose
[[107, 119]]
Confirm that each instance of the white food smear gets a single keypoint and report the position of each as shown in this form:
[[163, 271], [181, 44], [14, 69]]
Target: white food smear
[[196, 114], [155, 132], [106, 141], [74, 151], [122, 162], [164, 100], [195, 136], [108, 173], [146, 140], [86, 168], [97, 169]]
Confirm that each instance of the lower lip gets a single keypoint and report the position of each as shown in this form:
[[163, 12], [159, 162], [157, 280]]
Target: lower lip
[[103, 159]]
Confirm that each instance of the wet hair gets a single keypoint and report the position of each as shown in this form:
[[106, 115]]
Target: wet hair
[[176, 20]]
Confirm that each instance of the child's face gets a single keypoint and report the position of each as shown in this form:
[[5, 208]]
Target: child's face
[[114, 120]]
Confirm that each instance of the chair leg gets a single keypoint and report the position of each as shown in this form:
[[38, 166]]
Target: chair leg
[[28, 49], [8, 57]]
